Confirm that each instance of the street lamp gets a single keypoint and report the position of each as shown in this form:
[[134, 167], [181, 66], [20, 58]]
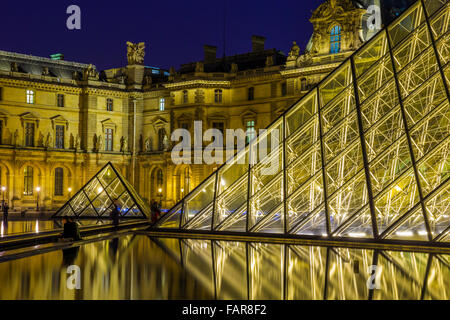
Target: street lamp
[[70, 192], [160, 196], [38, 189], [3, 192]]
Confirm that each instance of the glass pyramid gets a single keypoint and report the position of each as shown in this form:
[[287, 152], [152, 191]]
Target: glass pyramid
[[96, 198], [366, 154]]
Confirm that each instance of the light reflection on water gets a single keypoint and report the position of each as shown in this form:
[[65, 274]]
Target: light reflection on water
[[137, 267], [13, 227]]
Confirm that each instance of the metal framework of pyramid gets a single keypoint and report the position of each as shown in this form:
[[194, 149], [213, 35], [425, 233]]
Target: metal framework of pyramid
[[363, 155], [96, 198]]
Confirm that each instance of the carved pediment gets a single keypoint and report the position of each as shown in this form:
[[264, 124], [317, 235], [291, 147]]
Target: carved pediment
[[29, 117], [159, 122], [332, 8], [108, 123], [59, 120], [248, 115], [4, 115]]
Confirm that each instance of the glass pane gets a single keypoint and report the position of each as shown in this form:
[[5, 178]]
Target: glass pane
[[263, 202], [438, 282], [313, 225], [101, 203], [335, 84], [171, 219], [406, 24], [347, 201], [443, 47], [440, 22], [305, 200], [233, 170], [272, 223], [438, 210], [79, 202], [359, 226], [302, 140], [304, 167], [231, 200], [374, 78], [199, 199], [416, 73], [396, 200], [412, 227], [301, 113], [338, 109], [434, 168], [434, 5], [370, 53]]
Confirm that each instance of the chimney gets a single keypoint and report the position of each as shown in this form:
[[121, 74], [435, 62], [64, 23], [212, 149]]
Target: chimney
[[210, 53], [258, 43]]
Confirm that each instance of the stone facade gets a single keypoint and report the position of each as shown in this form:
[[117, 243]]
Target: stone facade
[[81, 118]]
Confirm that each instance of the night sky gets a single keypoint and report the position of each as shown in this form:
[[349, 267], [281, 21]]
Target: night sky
[[174, 31]]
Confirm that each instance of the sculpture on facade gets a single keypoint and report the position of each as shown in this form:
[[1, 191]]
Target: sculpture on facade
[[317, 38], [77, 142], [295, 52], [49, 140], [16, 138], [99, 143], [147, 145], [123, 144], [135, 53], [90, 72], [166, 143], [14, 67], [199, 67]]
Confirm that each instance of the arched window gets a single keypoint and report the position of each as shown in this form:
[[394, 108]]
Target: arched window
[[218, 96], [59, 181], [159, 178], [185, 96], [335, 39], [28, 181]]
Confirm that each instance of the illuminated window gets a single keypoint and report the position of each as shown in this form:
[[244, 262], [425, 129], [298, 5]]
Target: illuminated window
[[108, 139], [185, 97], [162, 103], [250, 126], [218, 96], [30, 96], [335, 39], [59, 181], [28, 181], [109, 104]]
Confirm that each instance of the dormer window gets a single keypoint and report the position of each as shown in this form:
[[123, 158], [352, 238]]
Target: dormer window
[[30, 96], [335, 39]]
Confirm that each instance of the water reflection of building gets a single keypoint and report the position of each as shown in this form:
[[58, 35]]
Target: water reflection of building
[[131, 269]]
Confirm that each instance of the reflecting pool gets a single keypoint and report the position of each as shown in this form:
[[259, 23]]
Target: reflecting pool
[[140, 267], [14, 227]]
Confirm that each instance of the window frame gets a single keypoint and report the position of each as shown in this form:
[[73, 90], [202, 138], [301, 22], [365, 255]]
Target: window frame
[[59, 136], [251, 94], [59, 182], [335, 39], [218, 96], [162, 104], [109, 104], [30, 96], [60, 100], [28, 181], [109, 139]]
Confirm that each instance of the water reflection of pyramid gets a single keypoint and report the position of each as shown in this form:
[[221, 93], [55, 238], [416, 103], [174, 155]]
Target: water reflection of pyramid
[[363, 155], [95, 199]]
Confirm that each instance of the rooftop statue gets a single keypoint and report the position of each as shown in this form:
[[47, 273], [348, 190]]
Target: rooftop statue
[[135, 53]]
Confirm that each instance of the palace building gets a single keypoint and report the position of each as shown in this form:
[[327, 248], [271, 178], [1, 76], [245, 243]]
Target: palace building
[[61, 121]]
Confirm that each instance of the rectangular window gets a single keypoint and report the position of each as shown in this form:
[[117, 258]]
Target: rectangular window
[[251, 94], [29, 134], [283, 89], [1, 132], [60, 100], [59, 141], [251, 133], [30, 96], [162, 103], [108, 139], [218, 96], [109, 105]]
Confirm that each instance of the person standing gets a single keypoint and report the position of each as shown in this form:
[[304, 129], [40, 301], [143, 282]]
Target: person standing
[[5, 208], [115, 214]]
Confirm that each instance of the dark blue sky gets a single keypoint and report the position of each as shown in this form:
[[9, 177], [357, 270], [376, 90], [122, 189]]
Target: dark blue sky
[[174, 31]]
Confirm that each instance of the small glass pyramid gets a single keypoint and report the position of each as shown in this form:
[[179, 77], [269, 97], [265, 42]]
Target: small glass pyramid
[[96, 198]]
